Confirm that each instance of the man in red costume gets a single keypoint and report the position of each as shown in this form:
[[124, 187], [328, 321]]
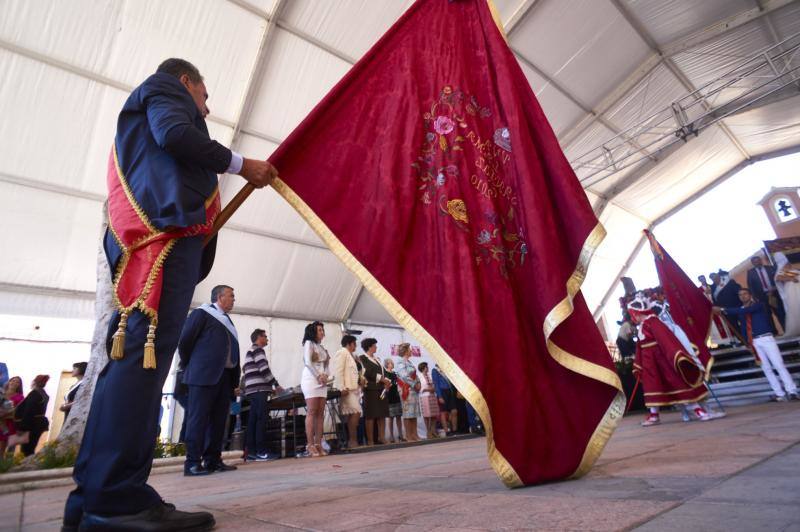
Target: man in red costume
[[669, 375]]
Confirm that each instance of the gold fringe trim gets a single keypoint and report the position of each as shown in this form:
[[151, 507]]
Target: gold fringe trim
[[464, 384], [679, 402], [497, 20], [556, 317], [149, 360], [118, 342]]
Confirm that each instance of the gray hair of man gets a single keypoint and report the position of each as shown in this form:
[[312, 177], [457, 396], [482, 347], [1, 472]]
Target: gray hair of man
[[217, 291], [178, 67]]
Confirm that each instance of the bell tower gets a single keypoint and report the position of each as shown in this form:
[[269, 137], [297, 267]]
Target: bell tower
[[782, 208]]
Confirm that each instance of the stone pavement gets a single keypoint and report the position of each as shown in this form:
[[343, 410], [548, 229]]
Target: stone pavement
[[737, 473]]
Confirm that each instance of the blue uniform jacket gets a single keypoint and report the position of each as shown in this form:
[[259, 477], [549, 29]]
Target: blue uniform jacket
[[167, 157], [440, 383], [759, 319], [203, 350]]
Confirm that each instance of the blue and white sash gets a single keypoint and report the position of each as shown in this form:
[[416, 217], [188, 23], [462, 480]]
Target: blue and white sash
[[220, 317]]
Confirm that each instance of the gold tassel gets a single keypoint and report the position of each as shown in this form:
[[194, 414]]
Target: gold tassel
[[118, 344], [150, 347]]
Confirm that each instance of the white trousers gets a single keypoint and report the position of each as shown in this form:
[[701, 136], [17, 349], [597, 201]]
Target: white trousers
[[772, 361]]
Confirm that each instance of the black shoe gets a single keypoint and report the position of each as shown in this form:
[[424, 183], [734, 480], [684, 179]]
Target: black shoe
[[220, 467], [196, 471], [69, 528], [794, 397], [161, 517]]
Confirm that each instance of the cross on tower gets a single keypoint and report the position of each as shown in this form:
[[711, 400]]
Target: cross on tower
[[785, 208]]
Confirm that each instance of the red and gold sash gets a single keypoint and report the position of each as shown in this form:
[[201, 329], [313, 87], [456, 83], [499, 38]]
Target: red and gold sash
[[139, 275]]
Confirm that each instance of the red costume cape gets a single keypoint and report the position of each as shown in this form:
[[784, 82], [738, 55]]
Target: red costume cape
[[669, 375]]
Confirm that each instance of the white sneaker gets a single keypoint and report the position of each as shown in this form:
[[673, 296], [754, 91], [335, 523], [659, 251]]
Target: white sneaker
[[652, 419], [701, 415]]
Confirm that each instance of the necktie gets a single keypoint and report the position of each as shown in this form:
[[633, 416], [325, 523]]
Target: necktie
[[764, 278]]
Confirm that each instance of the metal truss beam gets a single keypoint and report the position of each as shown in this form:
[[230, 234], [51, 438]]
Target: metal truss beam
[[669, 50], [637, 25]]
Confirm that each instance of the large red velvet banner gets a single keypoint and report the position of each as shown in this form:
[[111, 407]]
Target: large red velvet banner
[[431, 171]]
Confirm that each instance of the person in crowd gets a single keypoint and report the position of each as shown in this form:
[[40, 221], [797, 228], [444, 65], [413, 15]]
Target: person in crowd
[[78, 371], [169, 164], [668, 373], [428, 402], [259, 382], [625, 343], [713, 288], [446, 397], [314, 383], [395, 405], [410, 386], [346, 371], [29, 416], [209, 350], [762, 285], [787, 281], [757, 331], [376, 405], [726, 294], [13, 394]]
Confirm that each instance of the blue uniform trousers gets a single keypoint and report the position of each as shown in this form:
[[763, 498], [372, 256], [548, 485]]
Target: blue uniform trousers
[[205, 428], [116, 453]]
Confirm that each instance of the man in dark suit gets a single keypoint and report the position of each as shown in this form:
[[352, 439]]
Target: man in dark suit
[[726, 294], [761, 282], [209, 350], [168, 166]]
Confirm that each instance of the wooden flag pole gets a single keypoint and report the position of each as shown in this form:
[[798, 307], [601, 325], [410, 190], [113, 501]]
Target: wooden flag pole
[[228, 211]]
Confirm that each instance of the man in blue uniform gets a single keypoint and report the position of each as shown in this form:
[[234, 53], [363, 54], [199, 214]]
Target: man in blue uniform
[[166, 165], [756, 327]]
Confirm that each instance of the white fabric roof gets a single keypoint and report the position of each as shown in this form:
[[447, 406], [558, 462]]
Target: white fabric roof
[[597, 67]]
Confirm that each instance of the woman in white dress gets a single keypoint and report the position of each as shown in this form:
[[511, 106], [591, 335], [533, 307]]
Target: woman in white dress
[[314, 384], [787, 281]]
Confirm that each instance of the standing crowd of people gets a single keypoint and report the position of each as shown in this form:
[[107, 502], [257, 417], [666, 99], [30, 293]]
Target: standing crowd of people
[[754, 315], [23, 418], [375, 395], [375, 391]]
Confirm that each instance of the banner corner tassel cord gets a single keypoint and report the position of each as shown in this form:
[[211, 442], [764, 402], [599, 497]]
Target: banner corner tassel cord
[[440, 147]]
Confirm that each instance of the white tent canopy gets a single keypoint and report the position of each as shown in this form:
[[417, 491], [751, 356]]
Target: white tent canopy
[[598, 68]]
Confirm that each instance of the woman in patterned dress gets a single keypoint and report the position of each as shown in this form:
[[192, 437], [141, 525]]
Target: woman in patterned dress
[[428, 402], [410, 386]]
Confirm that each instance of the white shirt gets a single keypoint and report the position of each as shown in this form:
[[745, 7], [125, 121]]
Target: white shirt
[[236, 163]]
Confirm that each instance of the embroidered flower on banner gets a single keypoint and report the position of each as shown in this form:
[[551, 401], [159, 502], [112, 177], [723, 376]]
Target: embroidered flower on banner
[[503, 138], [443, 125], [453, 119]]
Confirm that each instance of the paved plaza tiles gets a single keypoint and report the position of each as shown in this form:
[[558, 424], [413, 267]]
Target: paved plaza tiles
[[737, 473]]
